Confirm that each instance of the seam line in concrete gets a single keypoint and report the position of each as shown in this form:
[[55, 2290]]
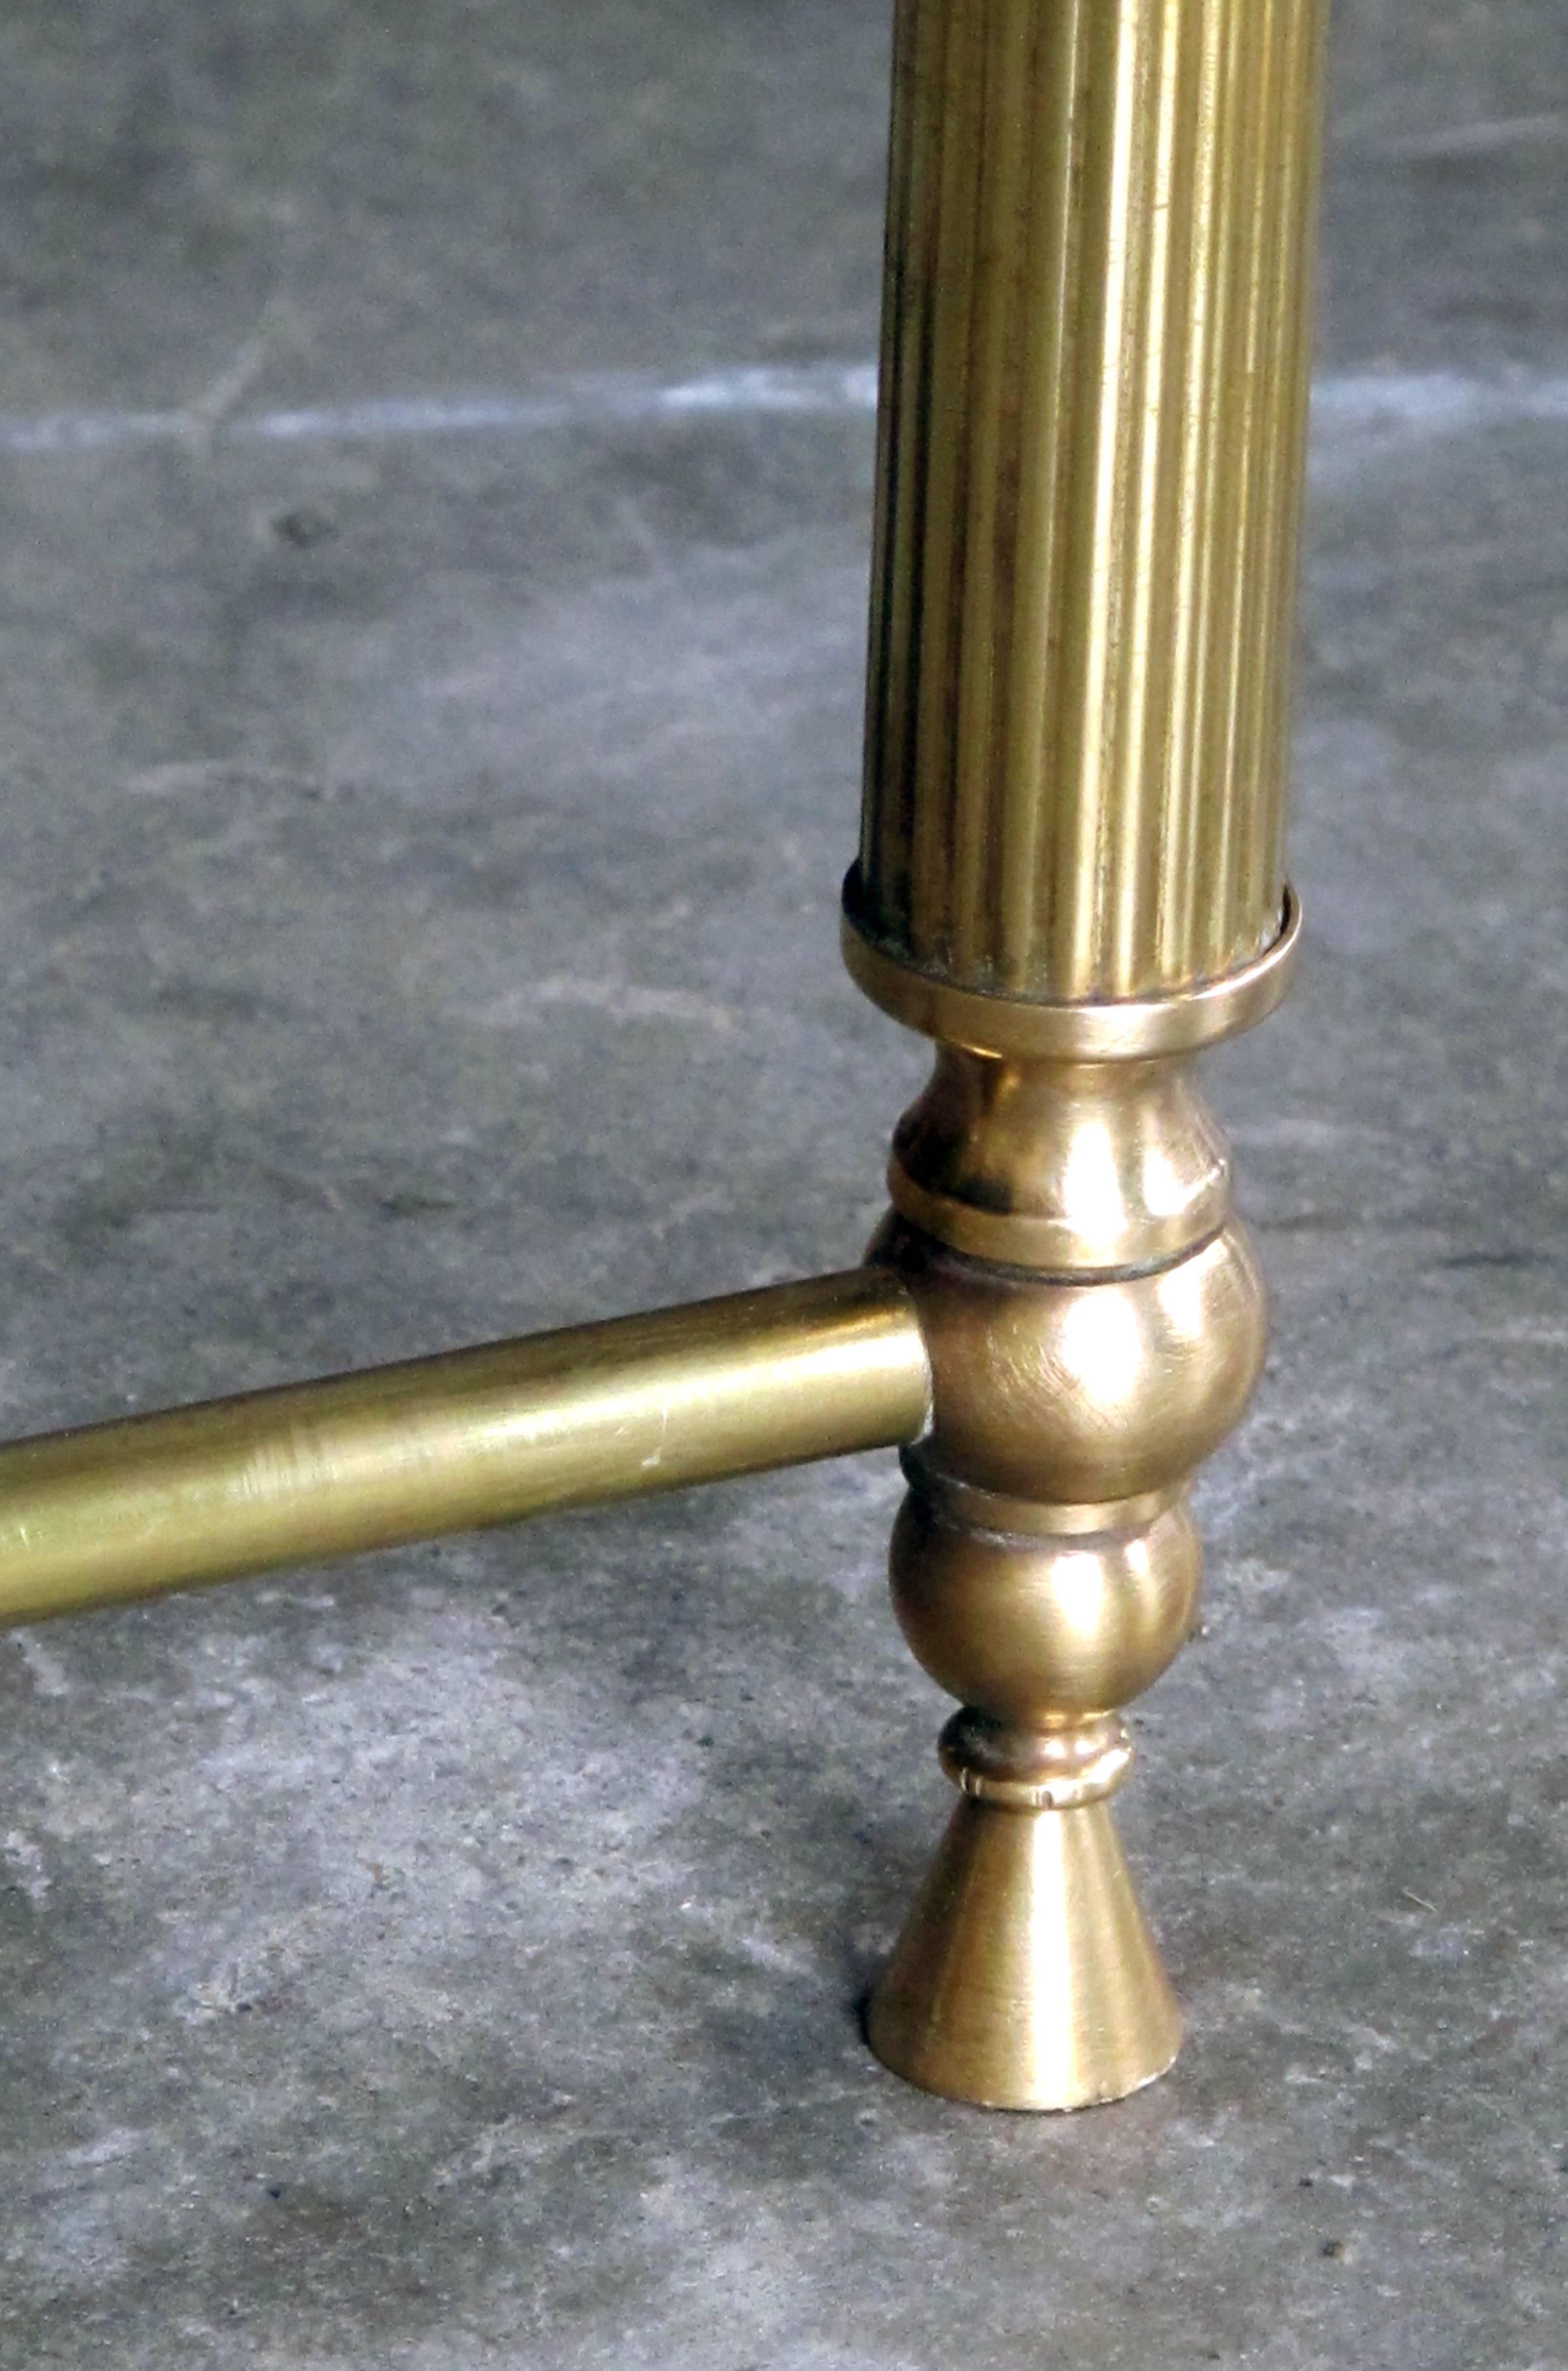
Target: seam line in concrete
[[1346, 405]]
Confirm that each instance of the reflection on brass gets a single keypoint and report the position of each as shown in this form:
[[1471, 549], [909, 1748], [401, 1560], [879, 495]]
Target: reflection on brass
[[480, 1437], [1091, 450]]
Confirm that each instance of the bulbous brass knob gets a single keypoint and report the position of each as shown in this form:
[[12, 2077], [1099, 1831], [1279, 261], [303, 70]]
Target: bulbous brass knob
[[1082, 1390], [1050, 1630]]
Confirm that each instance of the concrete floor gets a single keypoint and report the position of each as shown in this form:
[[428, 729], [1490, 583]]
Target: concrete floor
[[418, 855]]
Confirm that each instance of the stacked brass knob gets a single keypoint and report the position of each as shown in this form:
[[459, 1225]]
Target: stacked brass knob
[[1095, 1323]]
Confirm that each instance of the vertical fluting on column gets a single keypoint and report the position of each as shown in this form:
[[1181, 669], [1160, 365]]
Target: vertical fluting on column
[[1096, 349]]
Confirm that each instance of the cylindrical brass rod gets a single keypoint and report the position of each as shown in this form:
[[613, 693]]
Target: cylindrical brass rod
[[476, 1437], [1095, 372]]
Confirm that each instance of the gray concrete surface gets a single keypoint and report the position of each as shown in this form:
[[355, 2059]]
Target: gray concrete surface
[[417, 859]]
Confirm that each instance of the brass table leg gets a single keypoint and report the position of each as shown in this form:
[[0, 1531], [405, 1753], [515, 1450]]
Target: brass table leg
[[1094, 396], [1094, 393]]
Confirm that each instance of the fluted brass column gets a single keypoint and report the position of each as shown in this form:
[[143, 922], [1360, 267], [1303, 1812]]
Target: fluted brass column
[[1092, 450]]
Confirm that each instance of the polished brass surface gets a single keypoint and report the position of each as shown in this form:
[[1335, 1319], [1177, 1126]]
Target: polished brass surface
[[1039, 1770], [1095, 1323], [1076, 1389], [480, 1437], [1095, 372], [1040, 1628], [1026, 1976], [1124, 1029], [1043, 1166]]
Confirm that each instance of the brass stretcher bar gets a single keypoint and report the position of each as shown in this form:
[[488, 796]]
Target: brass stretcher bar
[[480, 1437]]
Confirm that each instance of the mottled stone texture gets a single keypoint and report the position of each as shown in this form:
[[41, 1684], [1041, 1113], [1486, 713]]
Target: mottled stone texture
[[417, 866]]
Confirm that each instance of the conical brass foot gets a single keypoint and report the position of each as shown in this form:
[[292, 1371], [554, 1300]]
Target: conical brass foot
[[1026, 1976]]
